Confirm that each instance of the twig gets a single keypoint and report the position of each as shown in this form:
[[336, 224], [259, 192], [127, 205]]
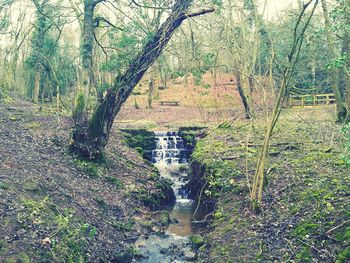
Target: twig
[[309, 245], [336, 227], [199, 200]]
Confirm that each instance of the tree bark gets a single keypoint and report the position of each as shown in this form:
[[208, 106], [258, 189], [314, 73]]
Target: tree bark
[[36, 86], [150, 91], [243, 96], [90, 140], [346, 72], [334, 76]]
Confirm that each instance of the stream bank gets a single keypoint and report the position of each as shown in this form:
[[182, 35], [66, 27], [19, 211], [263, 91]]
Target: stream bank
[[305, 213], [56, 207], [178, 240]]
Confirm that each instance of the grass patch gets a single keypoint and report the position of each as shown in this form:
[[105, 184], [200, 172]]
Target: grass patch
[[115, 181]]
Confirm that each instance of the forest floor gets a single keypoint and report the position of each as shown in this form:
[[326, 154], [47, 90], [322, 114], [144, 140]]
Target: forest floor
[[204, 104], [57, 208], [54, 206], [305, 212]]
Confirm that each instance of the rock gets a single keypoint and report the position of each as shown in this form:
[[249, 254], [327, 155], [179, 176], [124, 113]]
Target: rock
[[197, 241], [46, 241], [189, 255]]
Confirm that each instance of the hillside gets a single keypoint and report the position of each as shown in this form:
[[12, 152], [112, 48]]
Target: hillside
[[305, 213], [57, 208]]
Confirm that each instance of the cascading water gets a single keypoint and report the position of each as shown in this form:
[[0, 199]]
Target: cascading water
[[171, 159]]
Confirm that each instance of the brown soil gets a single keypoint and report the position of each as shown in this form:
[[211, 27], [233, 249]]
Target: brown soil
[[55, 208], [198, 104]]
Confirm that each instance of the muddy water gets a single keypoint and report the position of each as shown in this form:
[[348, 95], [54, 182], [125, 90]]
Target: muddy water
[[171, 159]]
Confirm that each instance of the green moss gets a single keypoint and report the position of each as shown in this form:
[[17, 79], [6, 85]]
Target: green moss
[[31, 186], [149, 200], [33, 125], [125, 256], [147, 225], [343, 256], [189, 135], [101, 203], [13, 118], [79, 109], [305, 228], [3, 186], [304, 255], [115, 181], [3, 247], [197, 241], [164, 218], [70, 233], [124, 226], [12, 259], [157, 199], [140, 150], [92, 169], [346, 236], [141, 140], [24, 258]]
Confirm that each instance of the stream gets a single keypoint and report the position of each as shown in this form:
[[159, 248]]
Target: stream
[[171, 159]]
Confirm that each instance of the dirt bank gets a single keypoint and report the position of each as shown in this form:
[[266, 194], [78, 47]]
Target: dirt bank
[[57, 208], [305, 213]]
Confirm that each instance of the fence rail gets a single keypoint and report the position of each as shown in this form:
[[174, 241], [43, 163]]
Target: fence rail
[[311, 100]]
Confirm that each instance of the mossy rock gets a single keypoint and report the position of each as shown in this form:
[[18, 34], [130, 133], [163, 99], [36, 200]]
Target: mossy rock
[[188, 134], [197, 241], [142, 140], [162, 197], [125, 256], [147, 225], [164, 218]]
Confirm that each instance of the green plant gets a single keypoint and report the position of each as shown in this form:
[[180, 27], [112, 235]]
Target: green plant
[[124, 226], [93, 169], [115, 181], [79, 108], [343, 256], [197, 241], [346, 132]]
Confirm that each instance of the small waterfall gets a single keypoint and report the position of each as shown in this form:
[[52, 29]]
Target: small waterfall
[[170, 157]]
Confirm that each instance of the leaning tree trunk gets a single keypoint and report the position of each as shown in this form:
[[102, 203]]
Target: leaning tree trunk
[[243, 96], [89, 140]]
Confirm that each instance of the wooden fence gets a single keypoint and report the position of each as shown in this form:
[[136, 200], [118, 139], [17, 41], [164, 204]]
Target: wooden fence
[[310, 100]]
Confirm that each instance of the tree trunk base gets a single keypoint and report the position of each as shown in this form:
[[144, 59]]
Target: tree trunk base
[[83, 146]]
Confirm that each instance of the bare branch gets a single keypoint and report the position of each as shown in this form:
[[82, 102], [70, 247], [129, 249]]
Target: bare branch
[[98, 19], [201, 12], [151, 7]]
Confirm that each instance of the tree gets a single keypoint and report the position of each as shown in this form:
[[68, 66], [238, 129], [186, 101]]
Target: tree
[[4, 24], [44, 46], [333, 71], [341, 63], [292, 59], [90, 138]]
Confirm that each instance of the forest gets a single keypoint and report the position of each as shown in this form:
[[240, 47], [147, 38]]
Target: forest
[[160, 131]]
